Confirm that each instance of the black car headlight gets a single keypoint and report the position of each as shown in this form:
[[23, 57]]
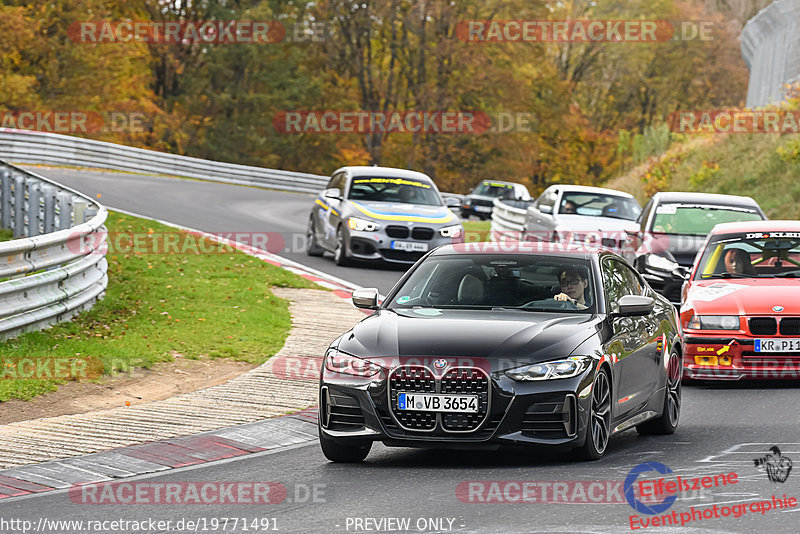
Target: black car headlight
[[451, 231], [713, 322], [362, 225], [660, 263], [339, 362], [565, 368]]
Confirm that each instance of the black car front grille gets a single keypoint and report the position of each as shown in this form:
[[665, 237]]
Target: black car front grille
[[398, 232], [551, 418], [466, 381], [341, 411], [790, 326], [763, 326], [412, 379], [422, 233], [457, 381]]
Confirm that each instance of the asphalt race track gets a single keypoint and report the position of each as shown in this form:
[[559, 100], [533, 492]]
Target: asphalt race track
[[724, 428], [220, 208]]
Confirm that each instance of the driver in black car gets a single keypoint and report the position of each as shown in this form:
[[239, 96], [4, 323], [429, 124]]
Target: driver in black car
[[573, 287]]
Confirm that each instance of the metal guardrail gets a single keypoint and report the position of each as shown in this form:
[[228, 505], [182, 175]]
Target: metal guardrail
[[770, 45], [56, 266], [44, 148], [508, 219]]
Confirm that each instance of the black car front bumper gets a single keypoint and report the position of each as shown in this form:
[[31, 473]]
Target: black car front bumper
[[535, 413]]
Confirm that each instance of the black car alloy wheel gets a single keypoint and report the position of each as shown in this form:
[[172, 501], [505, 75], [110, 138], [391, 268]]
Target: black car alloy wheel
[[599, 425]]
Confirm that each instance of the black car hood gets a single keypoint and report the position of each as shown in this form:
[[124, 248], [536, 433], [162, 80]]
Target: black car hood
[[503, 338]]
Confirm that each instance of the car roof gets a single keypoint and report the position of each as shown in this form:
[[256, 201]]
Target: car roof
[[500, 182], [707, 198], [756, 226], [525, 247], [591, 189], [385, 171]]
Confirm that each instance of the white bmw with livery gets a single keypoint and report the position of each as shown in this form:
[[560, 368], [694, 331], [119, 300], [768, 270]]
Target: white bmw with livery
[[380, 214]]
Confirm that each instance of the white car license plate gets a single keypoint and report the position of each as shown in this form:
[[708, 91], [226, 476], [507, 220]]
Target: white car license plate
[[777, 345], [431, 402], [410, 246], [483, 209]]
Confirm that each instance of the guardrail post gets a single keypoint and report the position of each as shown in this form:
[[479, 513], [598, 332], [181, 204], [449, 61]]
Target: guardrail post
[[5, 199], [19, 206], [34, 210], [79, 211], [64, 202], [49, 194]]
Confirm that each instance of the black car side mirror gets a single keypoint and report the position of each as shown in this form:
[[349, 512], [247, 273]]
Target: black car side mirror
[[366, 298], [634, 306]]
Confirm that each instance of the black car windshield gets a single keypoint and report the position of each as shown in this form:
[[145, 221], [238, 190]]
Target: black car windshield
[[494, 189], [751, 255], [388, 189], [599, 205], [698, 219], [487, 281]]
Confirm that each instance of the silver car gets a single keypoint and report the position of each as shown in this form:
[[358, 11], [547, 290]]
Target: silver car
[[380, 213], [582, 214]]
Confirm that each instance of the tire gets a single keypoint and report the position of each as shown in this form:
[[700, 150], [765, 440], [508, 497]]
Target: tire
[[340, 253], [312, 247], [598, 429], [671, 414], [338, 452]]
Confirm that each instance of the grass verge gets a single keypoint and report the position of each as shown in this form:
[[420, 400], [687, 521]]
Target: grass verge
[[762, 166], [199, 305], [477, 231]]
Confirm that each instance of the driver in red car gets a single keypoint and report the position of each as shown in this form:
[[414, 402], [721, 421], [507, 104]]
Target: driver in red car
[[737, 261], [573, 287]]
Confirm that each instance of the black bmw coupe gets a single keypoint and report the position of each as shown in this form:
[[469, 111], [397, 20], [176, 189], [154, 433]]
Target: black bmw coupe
[[485, 344]]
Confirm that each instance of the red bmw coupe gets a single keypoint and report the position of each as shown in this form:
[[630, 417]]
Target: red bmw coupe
[[741, 303]]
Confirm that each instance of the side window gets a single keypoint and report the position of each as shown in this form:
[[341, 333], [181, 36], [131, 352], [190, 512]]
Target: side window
[[337, 182], [618, 281], [548, 198], [634, 284]]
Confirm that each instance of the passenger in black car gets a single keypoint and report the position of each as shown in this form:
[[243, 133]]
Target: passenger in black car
[[573, 287]]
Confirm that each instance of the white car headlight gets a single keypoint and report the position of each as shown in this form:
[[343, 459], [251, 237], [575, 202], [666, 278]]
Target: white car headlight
[[362, 225], [566, 368], [451, 231], [339, 362], [714, 322], [660, 262]]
